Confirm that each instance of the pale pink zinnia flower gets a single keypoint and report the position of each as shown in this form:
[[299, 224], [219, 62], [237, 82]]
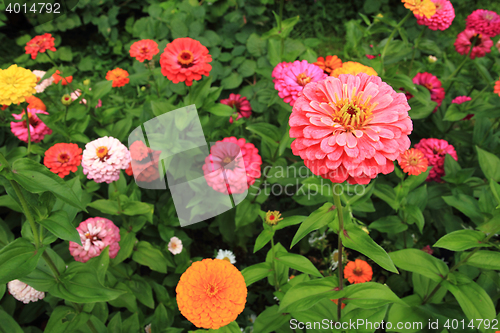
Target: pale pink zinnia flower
[[38, 129], [482, 44], [104, 158], [350, 128], [175, 245], [435, 151], [442, 19], [227, 170], [485, 22], [291, 78], [75, 94], [24, 293], [42, 85], [241, 104], [95, 234]]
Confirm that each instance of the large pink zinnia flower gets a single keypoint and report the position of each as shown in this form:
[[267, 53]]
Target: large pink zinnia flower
[[229, 171], [95, 234], [38, 129], [350, 128], [291, 78], [481, 46], [433, 84], [485, 22], [442, 19], [242, 105], [435, 151]]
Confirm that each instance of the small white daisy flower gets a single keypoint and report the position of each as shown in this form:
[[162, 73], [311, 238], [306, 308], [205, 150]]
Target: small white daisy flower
[[226, 255]]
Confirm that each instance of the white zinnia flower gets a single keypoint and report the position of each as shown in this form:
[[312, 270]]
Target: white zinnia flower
[[24, 293], [147, 329], [334, 260], [41, 86], [175, 245], [226, 255]]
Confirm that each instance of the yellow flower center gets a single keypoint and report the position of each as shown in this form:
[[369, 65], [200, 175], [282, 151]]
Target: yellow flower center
[[226, 259], [336, 256], [303, 79], [102, 152], [212, 290], [185, 58], [413, 161], [226, 160], [352, 113]]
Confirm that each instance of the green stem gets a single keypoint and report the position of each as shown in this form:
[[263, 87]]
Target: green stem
[[29, 132], [415, 48], [51, 265], [118, 197], [154, 80], [338, 206], [280, 26], [65, 115], [91, 326], [276, 282], [386, 46], [27, 212], [459, 68]]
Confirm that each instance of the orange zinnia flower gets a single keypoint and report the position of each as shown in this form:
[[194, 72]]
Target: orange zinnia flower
[[353, 68], [496, 90], [358, 271], [413, 162], [211, 293], [40, 44], [118, 76], [329, 64], [35, 103], [65, 81], [425, 8], [144, 49]]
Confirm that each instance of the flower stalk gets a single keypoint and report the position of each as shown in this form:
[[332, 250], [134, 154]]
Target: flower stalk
[[396, 28], [340, 214]]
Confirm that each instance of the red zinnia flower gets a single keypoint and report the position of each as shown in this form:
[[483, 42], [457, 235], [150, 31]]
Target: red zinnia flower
[[144, 50], [413, 162], [328, 64], [65, 81], [435, 151], [242, 105], [62, 158], [482, 44], [40, 44], [4, 107], [185, 60], [433, 84], [442, 19], [118, 76], [358, 271], [485, 22]]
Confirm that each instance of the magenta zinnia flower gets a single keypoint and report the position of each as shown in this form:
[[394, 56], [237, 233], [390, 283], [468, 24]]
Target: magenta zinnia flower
[[38, 129], [95, 234], [442, 19], [291, 78], [433, 84], [485, 22], [435, 151], [232, 166], [460, 100], [243, 107], [350, 128], [104, 158], [481, 46]]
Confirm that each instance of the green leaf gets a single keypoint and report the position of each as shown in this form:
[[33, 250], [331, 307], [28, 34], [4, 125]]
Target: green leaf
[[298, 262], [268, 132], [419, 110], [59, 224], [99, 90], [288, 221], [131, 324], [412, 215], [263, 238], [160, 319], [105, 206], [286, 27], [356, 239], [65, 53], [221, 110], [270, 320], [389, 224], [246, 213], [461, 240], [304, 295], [43, 278], [150, 256], [412, 182], [492, 226], [490, 164], [247, 68], [386, 193], [420, 262], [141, 290], [255, 45], [36, 178], [127, 242], [18, 259], [9, 325], [483, 259], [370, 295], [232, 81], [160, 107], [467, 205], [318, 219], [115, 324], [454, 113], [133, 208], [256, 272]]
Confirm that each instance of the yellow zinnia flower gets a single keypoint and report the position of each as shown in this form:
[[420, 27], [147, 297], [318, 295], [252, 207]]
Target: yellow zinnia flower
[[16, 83], [353, 68], [425, 8]]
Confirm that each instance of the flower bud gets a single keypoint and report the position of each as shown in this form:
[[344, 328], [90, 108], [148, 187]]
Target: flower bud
[[143, 88], [86, 82], [66, 100], [432, 59], [272, 218]]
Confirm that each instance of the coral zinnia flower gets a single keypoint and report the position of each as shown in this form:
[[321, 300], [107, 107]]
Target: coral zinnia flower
[[421, 7], [485, 22], [482, 44], [293, 77], [144, 169], [435, 151], [38, 129], [175, 245], [353, 68], [185, 60], [118, 76], [104, 158], [15, 84], [358, 271], [24, 293], [496, 89], [95, 234], [432, 84], [442, 19], [211, 293], [64, 80], [328, 64], [40, 44], [35, 103], [243, 108], [350, 128], [144, 49], [232, 166], [42, 85], [62, 158], [413, 162], [460, 100]]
